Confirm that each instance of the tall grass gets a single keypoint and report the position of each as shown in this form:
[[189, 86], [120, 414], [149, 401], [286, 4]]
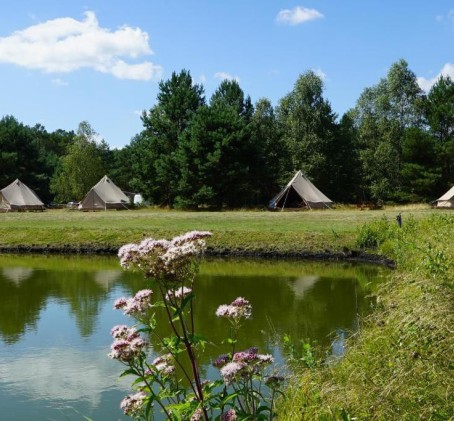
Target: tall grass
[[400, 365]]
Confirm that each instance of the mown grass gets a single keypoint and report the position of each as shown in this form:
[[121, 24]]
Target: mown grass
[[236, 230], [400, 365]]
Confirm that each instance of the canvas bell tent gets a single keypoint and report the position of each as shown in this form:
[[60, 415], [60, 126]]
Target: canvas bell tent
[[447, 200], [300, 193], [104, 195], [18, 197]]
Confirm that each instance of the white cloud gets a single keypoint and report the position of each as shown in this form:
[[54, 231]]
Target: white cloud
[[426, 84], [64, 45], [297, 15], [225, 76]]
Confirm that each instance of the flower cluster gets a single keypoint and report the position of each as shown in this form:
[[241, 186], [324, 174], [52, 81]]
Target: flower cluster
[[240, 308], [124, 332], [163, 259], [251, 356], [230, 415], [137, 305], [132, 404], [163, 364], [126, 350], [232, 371], [177, 294], [242, 364], [221, 361]]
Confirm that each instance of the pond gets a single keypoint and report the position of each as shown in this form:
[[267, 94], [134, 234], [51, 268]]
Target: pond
[[56, 314]]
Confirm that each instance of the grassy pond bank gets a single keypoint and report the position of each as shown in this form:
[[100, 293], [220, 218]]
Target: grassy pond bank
[[400, 365]]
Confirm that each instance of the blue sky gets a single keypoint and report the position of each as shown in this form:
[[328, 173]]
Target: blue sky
[[62, 62]]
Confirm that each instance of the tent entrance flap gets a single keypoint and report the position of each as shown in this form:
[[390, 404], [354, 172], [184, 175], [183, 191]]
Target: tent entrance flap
[[291, 199]]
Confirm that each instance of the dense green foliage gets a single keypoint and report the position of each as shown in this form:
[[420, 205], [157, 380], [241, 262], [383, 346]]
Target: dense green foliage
[[395, 145], [81, 167]]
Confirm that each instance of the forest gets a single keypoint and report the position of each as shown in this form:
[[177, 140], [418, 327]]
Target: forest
[[396, 145]]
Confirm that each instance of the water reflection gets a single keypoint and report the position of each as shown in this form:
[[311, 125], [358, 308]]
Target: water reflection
[[56, 314], [60, 374], [17, 274]]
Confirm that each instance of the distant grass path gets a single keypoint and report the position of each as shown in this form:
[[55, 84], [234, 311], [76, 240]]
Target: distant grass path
[[254, 231]]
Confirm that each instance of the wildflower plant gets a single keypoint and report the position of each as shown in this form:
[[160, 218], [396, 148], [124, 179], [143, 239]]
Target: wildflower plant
[[171, 382]]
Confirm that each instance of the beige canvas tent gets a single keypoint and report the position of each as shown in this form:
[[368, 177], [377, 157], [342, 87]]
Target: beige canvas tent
[[17, 197], [300, 193], [447, 200], [104, 195]]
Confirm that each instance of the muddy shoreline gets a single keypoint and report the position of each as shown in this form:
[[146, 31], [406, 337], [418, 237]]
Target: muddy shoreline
[[326, 255]]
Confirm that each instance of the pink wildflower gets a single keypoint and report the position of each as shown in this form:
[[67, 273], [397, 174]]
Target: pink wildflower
[[162, 364], [126, 350], [238, 309], [230, 415], [231, 371], [178, 293], [191, 236], [120, 303], [124, 332], [151, 246], [264, 359], [132, 404], [137, 305], [166, 261], [128, 255], [221, 361], [223, 310]]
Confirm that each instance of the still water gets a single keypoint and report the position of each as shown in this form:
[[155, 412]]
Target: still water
[[56, 314]]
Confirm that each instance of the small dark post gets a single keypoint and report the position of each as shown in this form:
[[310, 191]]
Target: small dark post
[[399, 220]]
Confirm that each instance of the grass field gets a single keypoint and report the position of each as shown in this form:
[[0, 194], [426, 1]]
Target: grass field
[[232, 230]]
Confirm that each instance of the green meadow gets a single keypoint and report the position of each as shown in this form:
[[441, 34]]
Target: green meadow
[[232, 230]]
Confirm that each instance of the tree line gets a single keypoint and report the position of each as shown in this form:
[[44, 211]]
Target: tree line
[[395, 145]]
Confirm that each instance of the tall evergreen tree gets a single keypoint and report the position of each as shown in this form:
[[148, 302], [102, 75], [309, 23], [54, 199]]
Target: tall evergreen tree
[[270, 153], [345, 171], [421, 173], [215, 153], [20, 156], [439, 113], [178, 100], [307, 124]]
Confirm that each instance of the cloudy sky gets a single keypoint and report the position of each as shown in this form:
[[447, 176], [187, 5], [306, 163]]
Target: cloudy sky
[[62, 62]]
